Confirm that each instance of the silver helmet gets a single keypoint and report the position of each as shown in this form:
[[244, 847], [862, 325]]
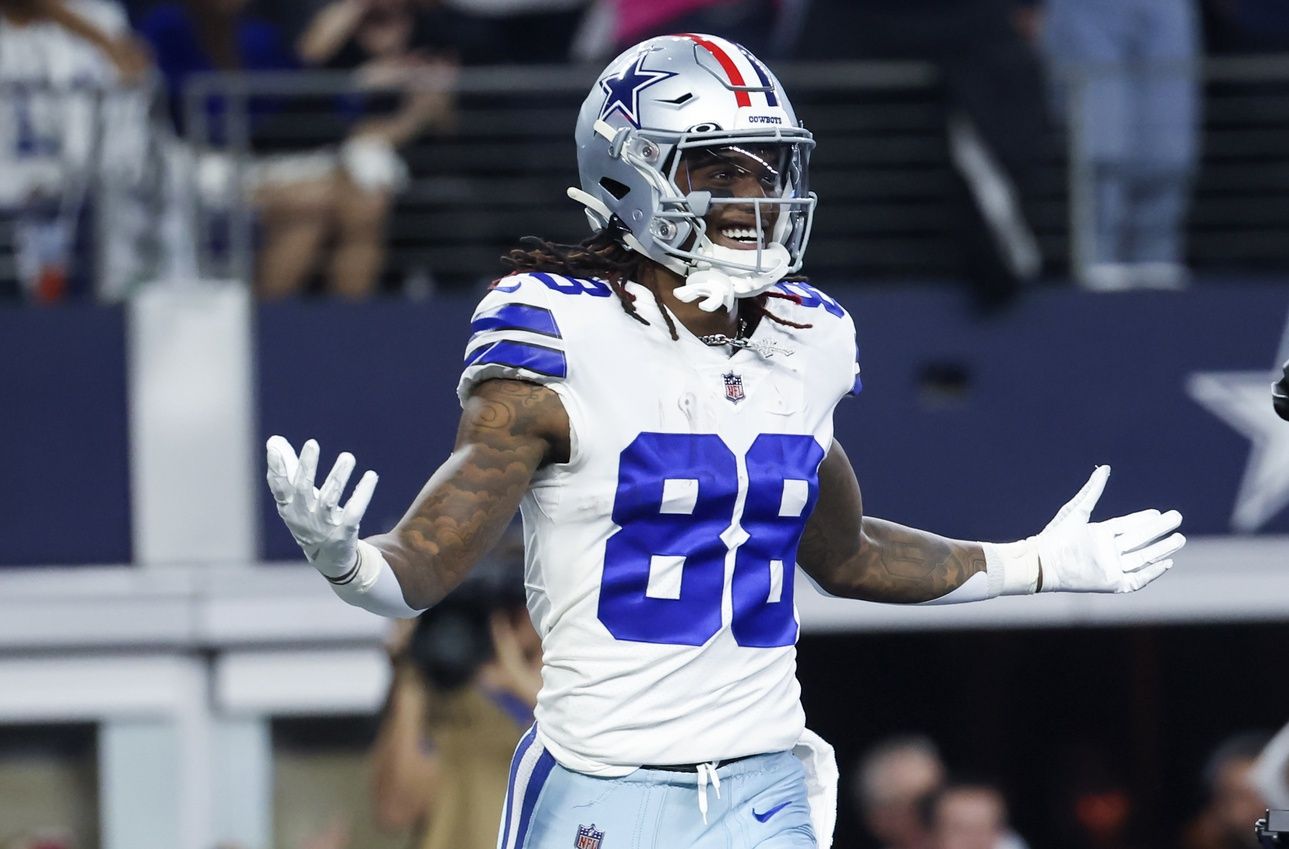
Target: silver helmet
[[672, 99]]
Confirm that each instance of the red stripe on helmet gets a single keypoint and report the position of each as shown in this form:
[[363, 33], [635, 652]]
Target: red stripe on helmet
[[727, 63]]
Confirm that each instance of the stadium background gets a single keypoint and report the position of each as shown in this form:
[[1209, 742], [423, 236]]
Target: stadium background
[[171, 677]]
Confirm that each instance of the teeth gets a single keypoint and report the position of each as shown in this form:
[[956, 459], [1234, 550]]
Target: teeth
[[742, 234]]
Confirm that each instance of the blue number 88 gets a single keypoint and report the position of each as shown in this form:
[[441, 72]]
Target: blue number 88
[[664, 570]]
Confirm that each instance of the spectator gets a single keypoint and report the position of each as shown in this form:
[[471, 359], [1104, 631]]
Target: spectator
[[502, 32], [465, 683], [1234, 801], [303, 198], [1130, 96], [995, 116], [68, 127], [190, 37], [383, 42], [1271, 772], [966, 815], [890, 782], [1095, 807]]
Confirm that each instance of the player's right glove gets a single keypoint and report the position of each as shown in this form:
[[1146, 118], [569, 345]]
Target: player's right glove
[[1073, 554], [326, 532]]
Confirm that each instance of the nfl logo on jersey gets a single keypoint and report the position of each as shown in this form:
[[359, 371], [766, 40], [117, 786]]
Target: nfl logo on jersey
[[733, 387], [588, 837]]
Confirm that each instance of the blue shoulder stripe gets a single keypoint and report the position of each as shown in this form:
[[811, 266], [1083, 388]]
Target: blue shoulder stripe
[[524, 355], [517, 317]]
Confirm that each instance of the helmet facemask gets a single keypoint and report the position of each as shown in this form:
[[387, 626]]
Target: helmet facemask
[[699, 175]]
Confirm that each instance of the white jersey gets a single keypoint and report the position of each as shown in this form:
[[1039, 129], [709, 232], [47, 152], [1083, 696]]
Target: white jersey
[[660, 558], [53, 113]]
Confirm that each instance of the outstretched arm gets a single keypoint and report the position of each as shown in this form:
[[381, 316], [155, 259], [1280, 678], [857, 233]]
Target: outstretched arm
[[508, 430], [856, 556]]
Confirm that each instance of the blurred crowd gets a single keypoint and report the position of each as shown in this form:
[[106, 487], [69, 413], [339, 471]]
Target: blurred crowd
[[316, 201]]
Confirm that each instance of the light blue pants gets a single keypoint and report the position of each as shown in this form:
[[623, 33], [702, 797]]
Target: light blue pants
[[762, 804], [1132, 103]]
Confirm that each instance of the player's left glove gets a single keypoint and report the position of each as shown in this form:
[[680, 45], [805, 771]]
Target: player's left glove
[[1073, 554], [325, 531]]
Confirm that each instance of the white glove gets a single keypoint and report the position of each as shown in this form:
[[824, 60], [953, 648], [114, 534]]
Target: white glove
[[326, 532], [1071, 554], [715, 287]]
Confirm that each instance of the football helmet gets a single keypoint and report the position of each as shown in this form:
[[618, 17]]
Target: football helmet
[[670, 101]]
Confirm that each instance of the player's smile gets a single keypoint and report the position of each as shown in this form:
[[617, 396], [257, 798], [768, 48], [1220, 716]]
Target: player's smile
[[735, 172], [738, 236]]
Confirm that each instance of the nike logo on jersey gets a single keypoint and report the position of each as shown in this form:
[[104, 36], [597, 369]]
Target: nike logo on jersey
[[765, 817]]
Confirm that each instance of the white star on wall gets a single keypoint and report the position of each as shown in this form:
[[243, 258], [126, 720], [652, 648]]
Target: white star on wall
[[1243, 400]]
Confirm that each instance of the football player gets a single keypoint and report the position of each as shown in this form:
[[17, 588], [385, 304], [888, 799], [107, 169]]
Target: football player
[[657, 401]]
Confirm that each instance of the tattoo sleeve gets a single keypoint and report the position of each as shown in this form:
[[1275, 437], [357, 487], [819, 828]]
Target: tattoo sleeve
[[855, 556], [508, 430]]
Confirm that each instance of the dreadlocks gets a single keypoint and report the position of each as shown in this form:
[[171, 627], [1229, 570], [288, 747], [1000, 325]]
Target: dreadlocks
[[604, 257]]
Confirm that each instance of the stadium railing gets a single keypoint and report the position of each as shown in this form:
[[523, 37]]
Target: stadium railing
[[883, 168]]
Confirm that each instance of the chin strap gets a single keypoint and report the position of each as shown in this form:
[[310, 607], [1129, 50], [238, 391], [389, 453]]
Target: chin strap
[[596, 209], [712, 283], [715, 287]]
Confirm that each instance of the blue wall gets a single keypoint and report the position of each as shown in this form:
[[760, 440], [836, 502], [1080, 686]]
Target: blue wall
[[1065, 381], [1017, 410], [64, 460]]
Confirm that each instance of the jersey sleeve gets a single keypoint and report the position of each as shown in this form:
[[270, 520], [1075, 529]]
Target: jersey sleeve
[[843, 345], [514, 335], [836, 329], [856, 381]]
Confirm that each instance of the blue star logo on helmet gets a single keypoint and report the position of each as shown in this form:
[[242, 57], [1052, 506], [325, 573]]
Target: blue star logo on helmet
[[622, 93]]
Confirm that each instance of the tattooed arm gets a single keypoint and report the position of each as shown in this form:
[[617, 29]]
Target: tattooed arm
[[856, 556], [509, 429]]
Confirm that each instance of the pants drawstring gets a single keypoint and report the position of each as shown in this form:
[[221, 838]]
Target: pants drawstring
[[707, 773]]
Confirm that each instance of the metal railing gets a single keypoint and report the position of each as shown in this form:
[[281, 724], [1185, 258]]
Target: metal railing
[[1233, 170], [883, 168], [881, 165]]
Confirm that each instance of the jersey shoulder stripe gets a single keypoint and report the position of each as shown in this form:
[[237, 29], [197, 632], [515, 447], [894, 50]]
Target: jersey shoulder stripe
[[518, 354], [516, 332], [810, 297], [560, 283], [832, 327], [512, 316]]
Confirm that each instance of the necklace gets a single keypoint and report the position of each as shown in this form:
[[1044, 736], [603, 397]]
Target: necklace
[[741, 340]]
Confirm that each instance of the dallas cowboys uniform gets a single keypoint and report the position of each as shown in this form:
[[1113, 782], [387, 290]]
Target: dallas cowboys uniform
[[660, 557], [661, 554]]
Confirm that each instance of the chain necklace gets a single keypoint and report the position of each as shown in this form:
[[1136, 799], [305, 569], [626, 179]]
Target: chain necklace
[[741, 340]]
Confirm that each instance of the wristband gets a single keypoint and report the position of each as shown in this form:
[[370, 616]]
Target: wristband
[[1012, 567], [372, 585]]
